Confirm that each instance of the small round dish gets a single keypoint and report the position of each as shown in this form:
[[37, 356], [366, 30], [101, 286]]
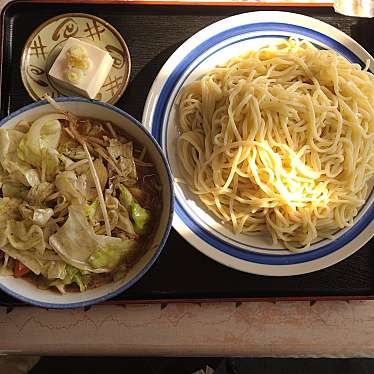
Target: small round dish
[[206, 49], [26, 291], [47, 40]]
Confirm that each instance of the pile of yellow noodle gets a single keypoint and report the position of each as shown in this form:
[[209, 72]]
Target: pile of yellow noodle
[[280, 140]]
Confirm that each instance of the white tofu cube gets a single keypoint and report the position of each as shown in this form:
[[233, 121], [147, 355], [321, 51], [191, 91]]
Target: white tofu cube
[[85, 81]]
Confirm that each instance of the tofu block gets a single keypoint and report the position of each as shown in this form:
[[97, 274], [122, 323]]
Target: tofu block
[[81, 68]]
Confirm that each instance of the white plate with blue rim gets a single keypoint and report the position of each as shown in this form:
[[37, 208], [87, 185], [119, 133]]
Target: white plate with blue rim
[[211, 46]]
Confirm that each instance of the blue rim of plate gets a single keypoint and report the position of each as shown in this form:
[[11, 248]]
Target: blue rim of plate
[[157, 130], [151, 261]]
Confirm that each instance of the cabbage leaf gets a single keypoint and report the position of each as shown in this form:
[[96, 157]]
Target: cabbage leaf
[[73, 275], [41, 142], [78, 244], [26, 257], [37, 194], [38, 264], [9, 141], [70, 186], [41, 216], [22, 172], [90, 210], [44, 133], [9, 209], [23, 236], [18, 169], [140, 216], [72, 150]]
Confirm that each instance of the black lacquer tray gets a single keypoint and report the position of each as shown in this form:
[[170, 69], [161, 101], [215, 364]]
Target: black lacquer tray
[[152, 33]]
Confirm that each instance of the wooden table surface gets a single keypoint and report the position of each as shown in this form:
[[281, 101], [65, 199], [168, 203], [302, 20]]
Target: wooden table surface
[[288, 329]]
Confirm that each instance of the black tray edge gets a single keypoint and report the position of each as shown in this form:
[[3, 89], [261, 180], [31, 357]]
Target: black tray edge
[[237, 301], [273, 299]]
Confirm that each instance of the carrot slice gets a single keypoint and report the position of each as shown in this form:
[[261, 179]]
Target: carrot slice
[[20, 269]]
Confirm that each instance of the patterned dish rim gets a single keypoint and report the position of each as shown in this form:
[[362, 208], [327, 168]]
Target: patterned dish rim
[[23, 65]]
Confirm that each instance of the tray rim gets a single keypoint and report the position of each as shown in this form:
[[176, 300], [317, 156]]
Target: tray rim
[[208, 3], [238, 301], [199, 3]]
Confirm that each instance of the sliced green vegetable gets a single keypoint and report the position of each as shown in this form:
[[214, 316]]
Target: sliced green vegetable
[[141, 218], [9, 210], [26, 257], [48, 264], [139, 215], [73, 275], [21, 172], [23, 236], [18, 170], [67, 183], [38, 146], [112, 254], [78, 244], [54, 269], [9, 141], [44, 133], [90, 210], [125, 197], [72, 150]]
